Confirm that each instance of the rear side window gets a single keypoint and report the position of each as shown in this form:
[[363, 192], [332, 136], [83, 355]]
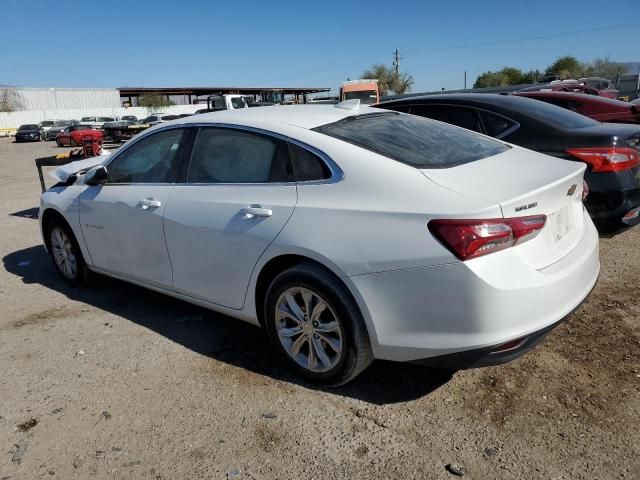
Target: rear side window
[[306, 165], [495, 125], [458, 116], [223, 155], [413, 140]]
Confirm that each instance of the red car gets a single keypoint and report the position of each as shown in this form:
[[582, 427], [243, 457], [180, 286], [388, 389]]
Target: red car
[[573, 86], [599, 108], [73, 135]]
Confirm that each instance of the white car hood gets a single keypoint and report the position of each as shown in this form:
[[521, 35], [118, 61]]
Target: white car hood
[[63, 172]]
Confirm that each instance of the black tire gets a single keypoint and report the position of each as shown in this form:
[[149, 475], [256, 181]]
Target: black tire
[[356, 353], [58, 143], [81, 274]]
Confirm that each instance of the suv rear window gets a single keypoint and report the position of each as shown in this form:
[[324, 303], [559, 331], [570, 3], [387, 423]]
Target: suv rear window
[[413, 140]]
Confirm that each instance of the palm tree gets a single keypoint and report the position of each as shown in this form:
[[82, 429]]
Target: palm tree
[[384, 76]]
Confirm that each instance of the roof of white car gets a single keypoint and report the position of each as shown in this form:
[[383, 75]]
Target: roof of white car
[[304, 116]]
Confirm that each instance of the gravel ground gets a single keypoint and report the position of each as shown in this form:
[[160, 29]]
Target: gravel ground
[[114, 381]]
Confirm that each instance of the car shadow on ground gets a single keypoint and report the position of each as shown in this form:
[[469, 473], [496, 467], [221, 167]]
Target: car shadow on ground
[[31, 213], [218, 336]]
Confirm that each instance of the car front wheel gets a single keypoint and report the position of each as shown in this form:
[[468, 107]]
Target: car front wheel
[[316, 326], [66, 254]]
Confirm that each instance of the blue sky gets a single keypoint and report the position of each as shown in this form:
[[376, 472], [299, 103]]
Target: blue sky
[[292, 43]]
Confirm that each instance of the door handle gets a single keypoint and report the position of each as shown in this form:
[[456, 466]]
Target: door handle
[[148, 203], [256, 211]]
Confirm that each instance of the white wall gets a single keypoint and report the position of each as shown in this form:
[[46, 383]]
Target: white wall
[[15, 119], [26, 98]]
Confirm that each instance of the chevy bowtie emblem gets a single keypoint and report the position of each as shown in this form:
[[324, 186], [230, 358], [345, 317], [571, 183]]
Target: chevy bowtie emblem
[[571, 190]]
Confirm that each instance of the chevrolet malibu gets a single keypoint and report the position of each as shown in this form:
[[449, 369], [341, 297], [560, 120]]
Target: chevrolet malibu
[[348, 233]]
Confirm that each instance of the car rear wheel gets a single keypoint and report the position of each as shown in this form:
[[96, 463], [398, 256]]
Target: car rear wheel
[[66, 254], [316, 326]]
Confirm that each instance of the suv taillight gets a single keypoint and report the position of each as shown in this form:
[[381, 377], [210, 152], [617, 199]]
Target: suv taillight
[[607, 159], [468, 239]]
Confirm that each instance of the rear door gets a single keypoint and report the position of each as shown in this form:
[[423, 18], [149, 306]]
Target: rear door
[[121, 220], [237, 196]]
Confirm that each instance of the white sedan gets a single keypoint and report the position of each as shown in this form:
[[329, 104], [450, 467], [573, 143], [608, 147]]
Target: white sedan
[[348, 233]]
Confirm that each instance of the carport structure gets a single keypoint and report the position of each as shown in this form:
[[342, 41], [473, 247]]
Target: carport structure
[[194, 95]]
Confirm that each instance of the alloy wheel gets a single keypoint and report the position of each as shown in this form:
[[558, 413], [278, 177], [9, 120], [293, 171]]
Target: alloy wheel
[[63, 253], [308, 329]]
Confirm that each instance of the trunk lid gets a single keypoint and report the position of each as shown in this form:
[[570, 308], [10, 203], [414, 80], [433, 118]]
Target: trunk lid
[[523, 183]]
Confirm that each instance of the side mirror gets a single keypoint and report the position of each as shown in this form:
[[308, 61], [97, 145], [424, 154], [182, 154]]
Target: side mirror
[[96, 176]]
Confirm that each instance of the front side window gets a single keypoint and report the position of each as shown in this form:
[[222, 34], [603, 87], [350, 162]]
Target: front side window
[[413, 140], [222, 155], [154, 159], [238, 102]]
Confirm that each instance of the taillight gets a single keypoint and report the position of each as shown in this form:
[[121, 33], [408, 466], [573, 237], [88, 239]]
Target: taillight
[[607, 159], [468, 239]]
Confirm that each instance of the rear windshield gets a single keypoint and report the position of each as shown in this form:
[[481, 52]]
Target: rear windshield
[[413, 140], [556, 116]]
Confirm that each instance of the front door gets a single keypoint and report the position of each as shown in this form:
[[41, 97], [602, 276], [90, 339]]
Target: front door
[[122, 220], [237, 197]]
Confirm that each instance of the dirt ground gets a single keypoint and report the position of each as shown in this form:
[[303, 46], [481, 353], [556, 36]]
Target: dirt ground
[[114, 382]]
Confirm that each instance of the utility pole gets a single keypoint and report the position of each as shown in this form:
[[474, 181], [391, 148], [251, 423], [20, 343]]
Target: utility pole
[[465, 79], [396, 60]]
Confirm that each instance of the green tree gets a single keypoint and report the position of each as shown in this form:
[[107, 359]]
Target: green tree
[[532, 76], [401, 83], [514, 75], [388, 80], [491, 79], [603, 67], [566, 67], [153, 101]]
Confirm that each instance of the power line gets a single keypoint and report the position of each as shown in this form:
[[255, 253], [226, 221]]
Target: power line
[[469, 46]]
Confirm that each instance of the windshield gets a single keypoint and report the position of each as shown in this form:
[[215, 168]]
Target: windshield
[[413, 140], [88, 119], [28, 127], [367, 97], [238, 102], [46, 123], [62, 123]]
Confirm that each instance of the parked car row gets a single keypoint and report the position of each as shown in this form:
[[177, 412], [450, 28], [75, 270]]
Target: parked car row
[[610, 151]]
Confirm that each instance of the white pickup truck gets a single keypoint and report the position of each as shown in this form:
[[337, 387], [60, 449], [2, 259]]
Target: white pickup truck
[[216, 103]]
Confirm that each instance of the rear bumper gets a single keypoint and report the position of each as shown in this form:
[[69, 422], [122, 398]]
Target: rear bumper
[[490, 356], [609, 202], [469, 308]]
